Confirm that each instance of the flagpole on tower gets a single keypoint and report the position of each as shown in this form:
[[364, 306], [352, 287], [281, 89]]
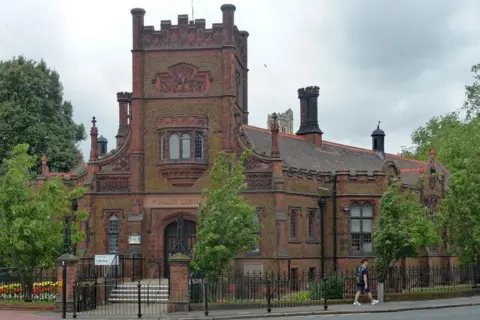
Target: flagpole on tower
[[193, 12]]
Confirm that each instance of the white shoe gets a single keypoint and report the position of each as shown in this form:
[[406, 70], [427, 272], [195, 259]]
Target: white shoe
[[356, 303], [374, 302]]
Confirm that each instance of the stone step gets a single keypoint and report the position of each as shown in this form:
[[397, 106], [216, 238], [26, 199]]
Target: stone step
[[142, 294], [141, 290], [144, 301], [142, 287]]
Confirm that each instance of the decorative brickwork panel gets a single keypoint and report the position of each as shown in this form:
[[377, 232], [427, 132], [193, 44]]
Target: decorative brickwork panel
[[182, 79], [209, 63], [259, 181], [113, 183]]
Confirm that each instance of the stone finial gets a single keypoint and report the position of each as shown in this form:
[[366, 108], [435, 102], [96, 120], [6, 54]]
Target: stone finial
[[274, 123]]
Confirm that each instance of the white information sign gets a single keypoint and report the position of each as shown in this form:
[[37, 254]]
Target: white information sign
[[106, 259]]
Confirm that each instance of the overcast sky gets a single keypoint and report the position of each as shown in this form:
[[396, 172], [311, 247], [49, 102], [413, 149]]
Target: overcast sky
[[400, 62]]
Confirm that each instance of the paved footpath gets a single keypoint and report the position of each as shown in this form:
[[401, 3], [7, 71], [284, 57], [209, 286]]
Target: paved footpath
[[301, 312]]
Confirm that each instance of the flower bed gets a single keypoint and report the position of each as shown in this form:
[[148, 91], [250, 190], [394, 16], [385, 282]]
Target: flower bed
[[41, 291]]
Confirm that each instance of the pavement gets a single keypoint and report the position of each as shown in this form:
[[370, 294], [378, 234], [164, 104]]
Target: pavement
[[461, 308]]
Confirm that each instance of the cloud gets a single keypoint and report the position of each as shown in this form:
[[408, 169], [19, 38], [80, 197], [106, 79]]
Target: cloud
[[400, 62]]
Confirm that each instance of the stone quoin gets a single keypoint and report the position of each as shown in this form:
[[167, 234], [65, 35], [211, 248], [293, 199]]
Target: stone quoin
[[189, 101]]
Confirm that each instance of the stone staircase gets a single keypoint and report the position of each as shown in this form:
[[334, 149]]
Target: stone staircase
[[151, 291]]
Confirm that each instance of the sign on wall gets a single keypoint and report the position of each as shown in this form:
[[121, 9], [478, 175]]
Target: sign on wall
[[135, 239], [106, 259]]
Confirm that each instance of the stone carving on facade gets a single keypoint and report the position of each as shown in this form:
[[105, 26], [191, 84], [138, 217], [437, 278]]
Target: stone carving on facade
[[391, 174], [110, 212], [113, 183], [259, 181], [182, 121], [182, 79], [184, 174], [260, 211]]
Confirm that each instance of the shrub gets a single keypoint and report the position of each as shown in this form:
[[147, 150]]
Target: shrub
[[332, 288]]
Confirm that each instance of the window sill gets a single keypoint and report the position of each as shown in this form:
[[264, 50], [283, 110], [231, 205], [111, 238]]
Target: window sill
[[294, 241], [362, 254], [312, 241], [183, 173], [254, 254]]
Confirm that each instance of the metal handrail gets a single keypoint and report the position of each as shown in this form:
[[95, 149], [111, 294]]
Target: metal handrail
[[157, 268]]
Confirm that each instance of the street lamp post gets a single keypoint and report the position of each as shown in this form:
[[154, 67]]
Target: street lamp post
[[67, 250]]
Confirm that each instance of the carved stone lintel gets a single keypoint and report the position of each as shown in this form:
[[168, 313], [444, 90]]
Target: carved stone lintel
[[184, 122]]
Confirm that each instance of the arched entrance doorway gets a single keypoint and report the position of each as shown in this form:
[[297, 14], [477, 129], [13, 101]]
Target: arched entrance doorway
[[181, 230]]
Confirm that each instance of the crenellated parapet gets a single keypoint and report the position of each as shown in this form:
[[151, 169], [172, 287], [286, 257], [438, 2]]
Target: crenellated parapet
[[328, 176], [190, 34]]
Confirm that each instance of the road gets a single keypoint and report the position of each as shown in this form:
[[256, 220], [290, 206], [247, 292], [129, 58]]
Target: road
[[465, 313]]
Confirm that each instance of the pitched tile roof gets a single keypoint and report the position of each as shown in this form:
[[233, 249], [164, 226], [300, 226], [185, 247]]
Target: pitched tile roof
[[299, 153]]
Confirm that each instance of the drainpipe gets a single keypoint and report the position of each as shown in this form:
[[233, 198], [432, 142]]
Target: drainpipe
[[321, 207], [334, 201]]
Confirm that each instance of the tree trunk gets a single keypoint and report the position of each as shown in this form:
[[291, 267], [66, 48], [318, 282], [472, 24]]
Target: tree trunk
[[26, 278]]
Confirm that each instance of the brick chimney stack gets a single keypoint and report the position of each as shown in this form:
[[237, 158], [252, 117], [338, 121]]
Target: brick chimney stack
[[93, 138], [124, 99], [309, 115]]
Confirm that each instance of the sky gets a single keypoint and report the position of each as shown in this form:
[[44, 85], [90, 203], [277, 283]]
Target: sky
[[398, 62]]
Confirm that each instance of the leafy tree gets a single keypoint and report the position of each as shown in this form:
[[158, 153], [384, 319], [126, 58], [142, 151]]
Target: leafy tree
[[32, 216], [226, 225], [403, 228], [451, 134], [32, 111], [460, 210], [472, 94]]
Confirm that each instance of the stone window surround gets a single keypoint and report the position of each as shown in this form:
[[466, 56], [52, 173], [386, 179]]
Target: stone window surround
[[313, 237], [361, 233], [294, 213], [113, 217], [164, 144]]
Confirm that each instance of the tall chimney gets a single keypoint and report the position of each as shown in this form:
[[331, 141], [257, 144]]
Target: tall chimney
[[124, 99], [309, 115], [93, 140]]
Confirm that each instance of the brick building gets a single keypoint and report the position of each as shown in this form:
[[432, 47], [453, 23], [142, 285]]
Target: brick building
[[317, 200]]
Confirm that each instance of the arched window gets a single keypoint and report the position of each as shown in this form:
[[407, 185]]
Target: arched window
[[293, 225], [361, 228], [256, 247], [174, 145], [199, 146], [113, 230], [186, 146], [311, 224]]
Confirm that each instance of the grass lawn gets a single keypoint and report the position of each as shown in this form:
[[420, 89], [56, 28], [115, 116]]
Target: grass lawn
[[19, 304]]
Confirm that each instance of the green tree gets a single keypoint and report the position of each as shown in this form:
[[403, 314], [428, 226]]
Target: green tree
[[226, 221], [403, 229], [472, 94], [460, 210], [451, 134], [32, 111], [32, 216]]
